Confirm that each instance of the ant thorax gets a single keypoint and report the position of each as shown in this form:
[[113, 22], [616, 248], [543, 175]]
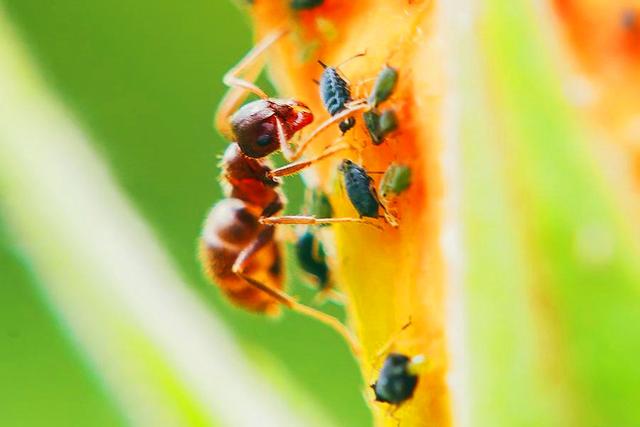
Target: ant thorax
[[247, 178]]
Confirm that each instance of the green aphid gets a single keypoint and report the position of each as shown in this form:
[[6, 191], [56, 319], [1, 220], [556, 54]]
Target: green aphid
[[388, 122], [319, 205], [384, 86], [380, 125], [305, 4], [396, 179], [372, 122]]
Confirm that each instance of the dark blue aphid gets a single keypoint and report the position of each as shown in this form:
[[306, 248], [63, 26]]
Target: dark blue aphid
[[305, 4], [312, 258], [360, 189], [335, 93], [395, 383]]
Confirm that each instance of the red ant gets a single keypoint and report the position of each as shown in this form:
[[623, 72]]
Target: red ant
[[238, 250]]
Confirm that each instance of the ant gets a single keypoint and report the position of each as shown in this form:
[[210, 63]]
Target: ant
[[238, 246]]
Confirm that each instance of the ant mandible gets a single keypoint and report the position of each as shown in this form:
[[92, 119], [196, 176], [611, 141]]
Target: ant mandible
[[239, 252]]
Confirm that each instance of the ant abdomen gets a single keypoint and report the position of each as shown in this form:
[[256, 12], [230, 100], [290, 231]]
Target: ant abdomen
[[255, 125], [230, 227]]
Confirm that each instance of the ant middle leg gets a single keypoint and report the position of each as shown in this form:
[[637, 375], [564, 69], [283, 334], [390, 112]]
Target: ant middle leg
[[312, 220], [243, 260], [240, 79], [295, 167]]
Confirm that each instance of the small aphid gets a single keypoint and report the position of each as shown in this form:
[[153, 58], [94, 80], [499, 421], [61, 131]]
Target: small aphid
[[397, 380], [360, 189], [305, 4], [335, 93], [379, 125], [384, 86], [629, 19], [312, 258], [396, 179], [319, 205]]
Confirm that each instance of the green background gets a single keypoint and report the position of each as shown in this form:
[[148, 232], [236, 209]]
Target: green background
[[143, 78]]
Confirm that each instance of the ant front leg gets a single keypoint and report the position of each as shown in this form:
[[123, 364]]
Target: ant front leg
[[240, 80], [347, 112], [243, 260]]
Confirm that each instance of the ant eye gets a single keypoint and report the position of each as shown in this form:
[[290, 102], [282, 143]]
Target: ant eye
[[264, 140]]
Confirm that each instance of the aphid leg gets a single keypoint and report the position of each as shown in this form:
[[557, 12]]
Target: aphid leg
[[240, 80], [357, 103], [390, 218], [295, 167], [347, 112], [392, 413], [265, 237], [312, 220], [357, 86]]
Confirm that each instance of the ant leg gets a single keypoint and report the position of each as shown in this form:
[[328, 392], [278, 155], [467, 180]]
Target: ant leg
[[287, 152], [312, 220], [265, 237], [295, 167], [347, 112], [250, 65]]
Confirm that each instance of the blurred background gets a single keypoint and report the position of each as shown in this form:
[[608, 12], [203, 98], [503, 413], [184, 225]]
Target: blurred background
[[142, 80]]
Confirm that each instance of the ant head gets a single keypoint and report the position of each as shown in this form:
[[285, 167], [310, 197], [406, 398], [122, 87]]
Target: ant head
[[255, 125], [293, 114]]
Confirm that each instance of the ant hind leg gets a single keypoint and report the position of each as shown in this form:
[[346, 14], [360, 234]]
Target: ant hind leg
[[264, 238]]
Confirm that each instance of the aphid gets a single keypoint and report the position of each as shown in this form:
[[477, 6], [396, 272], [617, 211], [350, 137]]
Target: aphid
[[305, 4], [398, 379], [396, 179], [319, 204], [379, 125], [360, 189], [384, 86], [629, 19], [362, 192], [336, 94], [336, 97], [312, 259], [238, 246]]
